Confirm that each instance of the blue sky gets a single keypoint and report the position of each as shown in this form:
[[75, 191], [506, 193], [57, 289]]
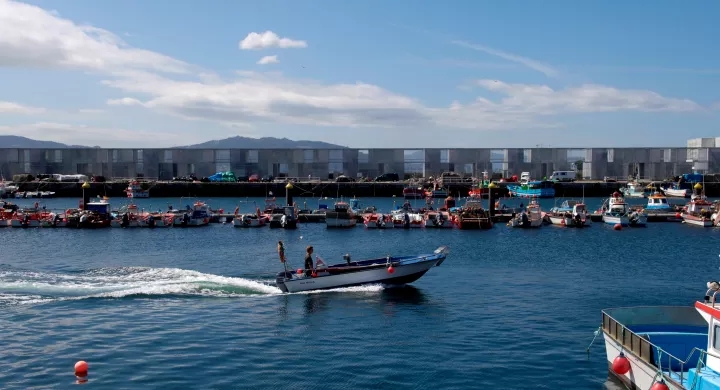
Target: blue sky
[[362, 74]]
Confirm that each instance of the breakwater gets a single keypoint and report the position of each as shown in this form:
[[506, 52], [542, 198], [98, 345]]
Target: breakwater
[[306, 189]]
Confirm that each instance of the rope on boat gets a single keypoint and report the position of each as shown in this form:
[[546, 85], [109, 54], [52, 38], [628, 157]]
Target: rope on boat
[[597, 332]]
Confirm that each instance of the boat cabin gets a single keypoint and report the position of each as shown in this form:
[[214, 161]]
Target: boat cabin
[[700, 206], [657, 201], [343, 207], [101, 207]]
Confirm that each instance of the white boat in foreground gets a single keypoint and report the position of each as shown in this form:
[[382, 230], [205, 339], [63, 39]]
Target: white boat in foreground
[[388, 270], [532, 217], [665, 347]]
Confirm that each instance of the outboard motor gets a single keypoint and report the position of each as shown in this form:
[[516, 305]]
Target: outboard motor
[[125, 220], [281, 278], [407, 220], [186, 219], [346, 257], [151, 221], [524, 219]]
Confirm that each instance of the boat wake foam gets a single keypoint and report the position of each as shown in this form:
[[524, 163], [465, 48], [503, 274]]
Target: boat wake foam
[[30, 287]]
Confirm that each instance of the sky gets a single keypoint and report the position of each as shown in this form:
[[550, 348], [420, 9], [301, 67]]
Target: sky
[[403, 73]]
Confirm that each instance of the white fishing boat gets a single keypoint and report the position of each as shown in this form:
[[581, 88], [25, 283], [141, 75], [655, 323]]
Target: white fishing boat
[[438, 219], [249, 220], [633, 189], [408, 220], [617, 212], [340, 216], [378, 221], [531, 217], [699, 213], [389, 270], [665, 347], [197, 215], [571, 213]]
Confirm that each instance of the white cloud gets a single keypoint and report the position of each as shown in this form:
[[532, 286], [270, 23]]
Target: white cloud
[[268, 60], [33, 37], [268, 39], [126, 101], [530, 63], [91, 111], [15, 108], [81, 134]]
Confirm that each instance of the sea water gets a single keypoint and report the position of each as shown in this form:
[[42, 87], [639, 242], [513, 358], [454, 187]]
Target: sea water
[[197, 308]]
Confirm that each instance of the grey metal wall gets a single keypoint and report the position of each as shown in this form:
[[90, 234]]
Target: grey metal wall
[[652, 163]]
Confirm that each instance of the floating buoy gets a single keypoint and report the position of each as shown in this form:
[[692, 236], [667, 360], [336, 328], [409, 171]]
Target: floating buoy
[[617, 226], [81, 369], [660, 386], [299, 271], [314, 274], [621, 364], [677, 215], [391, 269]]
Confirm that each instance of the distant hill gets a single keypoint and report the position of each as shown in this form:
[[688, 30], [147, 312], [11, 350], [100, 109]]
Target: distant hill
[[14, 141], [262, 143]]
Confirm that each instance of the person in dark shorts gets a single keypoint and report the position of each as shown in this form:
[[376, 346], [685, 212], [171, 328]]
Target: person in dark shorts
[[309, 261]]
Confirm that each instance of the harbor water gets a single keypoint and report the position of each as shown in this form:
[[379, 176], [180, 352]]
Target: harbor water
[[197, 308]]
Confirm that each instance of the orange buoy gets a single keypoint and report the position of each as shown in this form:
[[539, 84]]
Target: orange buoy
[[81, 368], [677, 215], [391, 269], [660, 386], [617, 226], [621, 364]]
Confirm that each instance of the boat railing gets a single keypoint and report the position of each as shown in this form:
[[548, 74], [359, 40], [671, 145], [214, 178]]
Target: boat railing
[[645, 350]]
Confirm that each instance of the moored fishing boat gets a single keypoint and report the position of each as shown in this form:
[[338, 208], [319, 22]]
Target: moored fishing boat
[[533, 189], [571, 213], [472, 215], [284, 218], [413, 192], [389, 270], [531, 217], [378, 221], [665, 347], [616, 211], [438, 219], [340, 216], [408, 219], [197, 215], [248, 220], [633, 189], [137, 190], [658, 203], [698, 213]]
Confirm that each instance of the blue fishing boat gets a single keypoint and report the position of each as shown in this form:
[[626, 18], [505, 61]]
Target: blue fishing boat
[[533, 189], [658, 203], [665, 347]]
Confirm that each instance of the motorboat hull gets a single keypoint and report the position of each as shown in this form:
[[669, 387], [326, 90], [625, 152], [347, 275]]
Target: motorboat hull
[[434, 221], [378, 222], [17, 223], [697, 221], [615, 220], [676, 193], [404, 271], [331, 222]]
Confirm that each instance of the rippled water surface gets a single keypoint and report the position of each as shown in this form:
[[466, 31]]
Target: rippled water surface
[[196, 308]]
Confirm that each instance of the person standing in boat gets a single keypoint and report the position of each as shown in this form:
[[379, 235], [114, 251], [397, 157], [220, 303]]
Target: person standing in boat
[[309, 261]]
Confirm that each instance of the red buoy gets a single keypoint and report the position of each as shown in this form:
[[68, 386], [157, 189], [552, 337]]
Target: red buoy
[[391, 269], [617, 226], [621, 364], [660, 386], [299, 271], [81, 369], [314, 274], [677, 215]]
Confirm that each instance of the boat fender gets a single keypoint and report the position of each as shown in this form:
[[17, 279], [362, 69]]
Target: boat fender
[[660, 386], [621, 364]]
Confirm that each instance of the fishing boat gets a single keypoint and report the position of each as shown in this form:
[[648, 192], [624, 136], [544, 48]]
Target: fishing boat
[[533, 189], [286, 219], [90, 215], [389, 270], [634, 189], [698, 213], [135, 190], [472, 216], [412, 192], [665, 347], [616, 211], [340, 216], [249, 220], [127, 217], [378, 221], [571, 213], [531, 217], [408, 219], [197, 215], [658, 203], [25, 218], [438, 219]]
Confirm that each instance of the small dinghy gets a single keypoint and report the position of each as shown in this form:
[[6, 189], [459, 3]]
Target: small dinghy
[[388, 270]]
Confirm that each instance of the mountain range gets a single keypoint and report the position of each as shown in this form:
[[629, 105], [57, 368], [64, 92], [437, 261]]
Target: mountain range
[[13, 141]]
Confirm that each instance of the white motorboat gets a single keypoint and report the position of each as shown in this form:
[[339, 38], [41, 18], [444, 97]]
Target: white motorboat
[[341, 216], [408, 220], [378, 221], [571, 213], [390, 270], [249, 220], [634, 190], [617, 212], [438, 219], [532, 217]]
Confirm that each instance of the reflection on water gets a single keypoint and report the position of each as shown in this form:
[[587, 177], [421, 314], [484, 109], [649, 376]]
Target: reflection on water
[[315, 303], [408, 295]]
